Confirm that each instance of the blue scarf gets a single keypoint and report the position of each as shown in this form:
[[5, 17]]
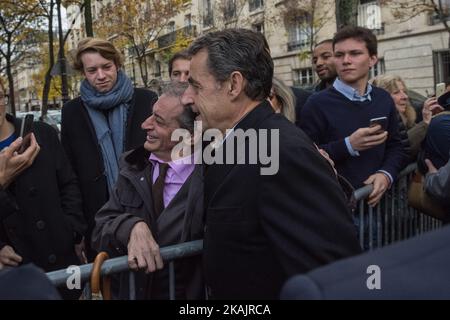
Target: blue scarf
[[110, 130]]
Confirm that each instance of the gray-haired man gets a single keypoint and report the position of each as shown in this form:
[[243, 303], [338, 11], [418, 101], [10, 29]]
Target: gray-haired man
[[157, 201]]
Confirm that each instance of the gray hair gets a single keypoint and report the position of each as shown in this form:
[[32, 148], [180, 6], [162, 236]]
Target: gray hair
[[239, 50], [187, 118]]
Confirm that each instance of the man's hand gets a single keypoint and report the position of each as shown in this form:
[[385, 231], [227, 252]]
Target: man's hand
[[431, 167], [380, 184], [13, 164], [366, 138], [430, 107], [143, 251], [80, 250], [8, 257]]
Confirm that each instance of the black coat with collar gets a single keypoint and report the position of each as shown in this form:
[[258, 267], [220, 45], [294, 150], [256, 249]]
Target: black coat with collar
[[262, 229], [131, 202], [41, 209], [80, 142]]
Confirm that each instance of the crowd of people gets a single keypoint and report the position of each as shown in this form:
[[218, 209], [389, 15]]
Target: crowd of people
[[112, 183]]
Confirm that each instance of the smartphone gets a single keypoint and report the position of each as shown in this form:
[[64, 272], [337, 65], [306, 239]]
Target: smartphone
[[382, 121], [25, 132], [440, 89]]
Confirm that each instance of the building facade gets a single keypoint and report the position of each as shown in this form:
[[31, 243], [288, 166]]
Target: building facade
[[415, 48]]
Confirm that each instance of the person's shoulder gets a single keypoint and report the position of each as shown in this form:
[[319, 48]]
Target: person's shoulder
[[71, 107], [75, 102], [440, 120], [299, 92], [42, 129], [381, 93], [288, 132], [323, 95]]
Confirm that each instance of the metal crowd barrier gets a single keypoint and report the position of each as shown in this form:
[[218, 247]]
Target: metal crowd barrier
[[120, 264], [392, 219]]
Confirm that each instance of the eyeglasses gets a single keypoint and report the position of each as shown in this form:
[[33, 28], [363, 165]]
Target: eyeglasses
[[4, 99]]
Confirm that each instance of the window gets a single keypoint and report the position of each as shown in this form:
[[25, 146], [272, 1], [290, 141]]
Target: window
[[303, 77], [171, 27], [187, 20], [377, 69], [255, 4], [259, 27], [441, 64], [369, 16], [435, 17], [207, 13], [299, 33], [229, 10]]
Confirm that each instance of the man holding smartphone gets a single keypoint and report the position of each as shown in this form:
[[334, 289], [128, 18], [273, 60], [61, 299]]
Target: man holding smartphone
[[338, 119], [41, 219]]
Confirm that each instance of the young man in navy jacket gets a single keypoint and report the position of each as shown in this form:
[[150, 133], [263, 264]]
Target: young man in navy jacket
[[338, 118]]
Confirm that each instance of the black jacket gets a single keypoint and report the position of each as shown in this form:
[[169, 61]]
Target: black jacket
[[41, 209], [262, 229], [301, 95], [416, 268], [80, 142]]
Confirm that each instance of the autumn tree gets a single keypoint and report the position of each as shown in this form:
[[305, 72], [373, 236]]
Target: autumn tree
[[136, 24], [18, 33], [40, 79], [404, 10]]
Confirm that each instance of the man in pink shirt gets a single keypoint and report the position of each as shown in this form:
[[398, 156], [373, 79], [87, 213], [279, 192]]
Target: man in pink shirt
[[157, 201]]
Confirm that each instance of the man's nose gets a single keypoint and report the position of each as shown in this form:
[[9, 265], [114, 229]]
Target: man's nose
[[184, 77], [347, 59], [147, 124], [187, 98]]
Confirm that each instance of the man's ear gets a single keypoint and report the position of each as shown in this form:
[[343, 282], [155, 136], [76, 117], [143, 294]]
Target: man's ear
[[373, 60], [236, 84]]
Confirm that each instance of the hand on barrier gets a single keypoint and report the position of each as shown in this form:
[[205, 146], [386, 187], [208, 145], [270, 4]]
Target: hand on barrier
[[80, 250], [143, 251], [380, 184]]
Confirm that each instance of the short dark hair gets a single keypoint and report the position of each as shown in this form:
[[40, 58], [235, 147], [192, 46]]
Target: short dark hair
[[183, 55], [358, 33], [240, 50], [324, 41]]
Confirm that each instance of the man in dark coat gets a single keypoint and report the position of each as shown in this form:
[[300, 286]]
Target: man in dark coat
[[263, 224], [41, 219], [132, 223], [103, 123]]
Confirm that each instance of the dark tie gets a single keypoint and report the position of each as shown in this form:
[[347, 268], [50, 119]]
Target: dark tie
[[158, 189]]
